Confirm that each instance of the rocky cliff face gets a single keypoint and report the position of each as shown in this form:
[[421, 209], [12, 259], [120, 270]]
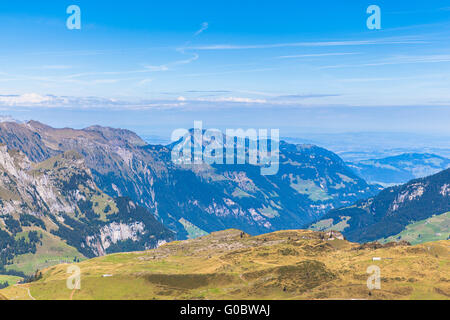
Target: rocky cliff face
[[36, 189], [113, 233], [60, 195]]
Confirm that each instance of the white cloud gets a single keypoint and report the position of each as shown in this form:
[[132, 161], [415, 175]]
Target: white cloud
[[232, 99], [50, 101], [34, 100], [25, 99]]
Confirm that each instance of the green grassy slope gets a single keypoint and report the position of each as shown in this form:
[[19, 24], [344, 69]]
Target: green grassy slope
[[51, 252], [431, 229], [10, 279]]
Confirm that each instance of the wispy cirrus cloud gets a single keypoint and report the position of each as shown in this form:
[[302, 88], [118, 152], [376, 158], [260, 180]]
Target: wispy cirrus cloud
[[53, 67], [381, 41], [318, 55], [396, 60], [145, 69], [204, 74], [95, 77], [204, 27], [168, 66]]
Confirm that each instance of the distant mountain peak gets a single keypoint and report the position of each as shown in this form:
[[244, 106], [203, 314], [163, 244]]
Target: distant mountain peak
[[118, 134]]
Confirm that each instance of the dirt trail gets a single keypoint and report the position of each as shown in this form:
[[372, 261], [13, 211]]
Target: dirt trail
[[25, 288], [73, 292]]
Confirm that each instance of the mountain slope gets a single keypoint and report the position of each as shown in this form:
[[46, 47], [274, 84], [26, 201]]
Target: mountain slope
[[310, 181], [392, 210], [400, 169], [56, 204], [432, 229], [233, 265]]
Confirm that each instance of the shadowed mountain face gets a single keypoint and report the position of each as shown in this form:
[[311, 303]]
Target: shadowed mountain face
[[400, 169], [188, 199], [392, 210]]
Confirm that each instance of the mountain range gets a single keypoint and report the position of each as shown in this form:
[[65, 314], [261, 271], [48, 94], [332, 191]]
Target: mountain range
[[311, 180], [99, 190]]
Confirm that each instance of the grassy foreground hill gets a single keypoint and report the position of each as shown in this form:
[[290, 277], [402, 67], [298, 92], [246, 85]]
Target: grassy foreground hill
[[233, 265]]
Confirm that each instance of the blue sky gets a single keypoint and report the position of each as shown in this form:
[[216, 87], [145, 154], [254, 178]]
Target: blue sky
[[295, 65]]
